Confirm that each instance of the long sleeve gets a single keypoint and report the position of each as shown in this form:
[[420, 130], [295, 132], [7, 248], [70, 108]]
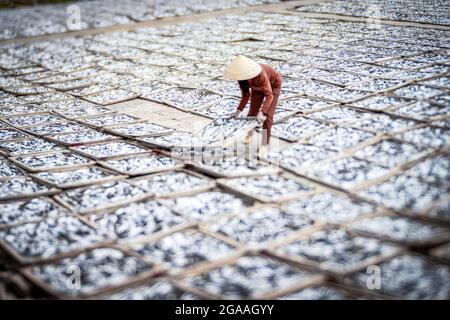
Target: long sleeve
[[244, 101], [267, 90]]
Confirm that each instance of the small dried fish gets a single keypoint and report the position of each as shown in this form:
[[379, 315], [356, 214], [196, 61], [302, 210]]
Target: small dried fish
[[141, 164], [329, 207], [140, 129], [410, 277], [426, 137], [33, 119], [17, 109], [261, 226], [50, 237], [85, 136], [56, 128], [400, 229], [81, 176], [109, 149], [82, 111], [136, 220], [340, 138], [158, 290], [55, 160], [414, 190], [28, 146], [29, 210], [235, 167], [336, 250], [101, 268], [169, 140], [341, 115], [390, 153], [269, 187], [298, 127], [21, 187], [148, 88], [416, 91], [347, 172], [379, 102], [321, 292], [222, 109], [102, 196], [8, 169], [422, 111], [110, 96], [109, 120], [248, 277], [46, 97], [207, 205], [183, 249], [220, 129], [386, 124], [166, 183], [296, 155]]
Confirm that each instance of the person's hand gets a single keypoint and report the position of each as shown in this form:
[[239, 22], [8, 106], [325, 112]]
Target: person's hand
[[236, 114], [260, 117]]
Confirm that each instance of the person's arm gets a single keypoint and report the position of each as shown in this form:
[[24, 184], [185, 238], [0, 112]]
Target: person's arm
[[244, 101], [268, 93]]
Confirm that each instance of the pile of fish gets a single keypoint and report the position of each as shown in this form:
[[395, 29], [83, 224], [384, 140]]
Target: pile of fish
[[207, 205], [411, 277], [109, 120], [296, 128], [322, 292], [18, 187], [101, 196], [25, 146], [234, 166], [159, 290], [86, 136], [268, 187], [261, 226], [8, 169], [336, 250], [90, 272], [136, 220], [401, 229], [50, 237], [329, 207], [67, 178], [17, 212], [183, 249], [222, 129], [54, 18], [347, 172], [141, 164], [297, 155], [140, 129], [248, 277], [173, 182], [55, 160], [111, 149]]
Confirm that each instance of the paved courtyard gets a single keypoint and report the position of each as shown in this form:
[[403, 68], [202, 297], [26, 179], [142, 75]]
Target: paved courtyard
[[122, 176]]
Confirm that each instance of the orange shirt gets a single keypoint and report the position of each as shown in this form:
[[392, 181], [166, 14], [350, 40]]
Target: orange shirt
[[269, 82]]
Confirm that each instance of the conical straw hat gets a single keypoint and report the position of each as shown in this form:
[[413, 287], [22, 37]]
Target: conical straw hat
[[242, 68]]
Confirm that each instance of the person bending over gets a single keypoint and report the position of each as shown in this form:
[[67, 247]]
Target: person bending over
[[260, 84]]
